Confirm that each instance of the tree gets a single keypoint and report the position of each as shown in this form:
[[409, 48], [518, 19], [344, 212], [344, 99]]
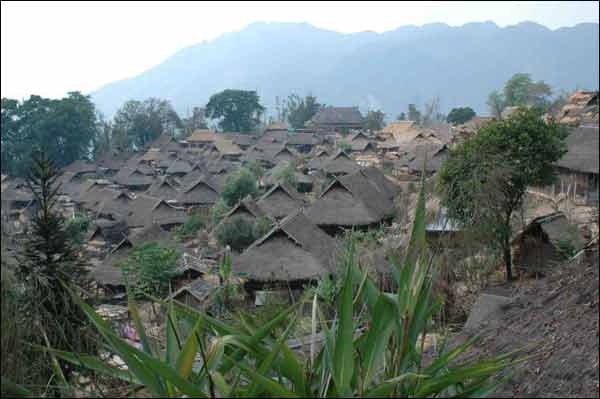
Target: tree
[[238, 185], [143, 121], [152, 267], [483, 180], [414, 114], [301, 110], [432, 112], [520, 91], [238, 110], [47, 262], [239, 233], [66, 128], [104, 135], [401, 116], [374, 120], [460, 115]]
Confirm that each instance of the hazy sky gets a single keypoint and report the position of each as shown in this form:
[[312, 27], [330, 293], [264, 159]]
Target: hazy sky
[[52, 48]]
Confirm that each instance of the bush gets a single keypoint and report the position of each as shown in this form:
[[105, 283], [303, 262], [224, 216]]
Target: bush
[[192, 225], [239, 233], [76, 228], [238, 185], [218, 210], [344, 146], [152, 268], [287, 174]]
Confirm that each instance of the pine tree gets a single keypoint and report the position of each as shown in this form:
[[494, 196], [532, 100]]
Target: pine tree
[[47, 262]]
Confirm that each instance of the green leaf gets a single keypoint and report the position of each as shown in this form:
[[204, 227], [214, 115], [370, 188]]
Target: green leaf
[[377, 339], [343, 353], [11, 389], [187, 355], [272, 387], [173, 341]]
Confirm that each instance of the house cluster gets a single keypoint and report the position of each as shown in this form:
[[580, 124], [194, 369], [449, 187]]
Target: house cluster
[[339, 184]]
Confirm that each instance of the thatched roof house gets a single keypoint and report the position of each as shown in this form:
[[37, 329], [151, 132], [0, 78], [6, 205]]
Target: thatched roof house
[[350, 201], [578, 168], [195, 294], [163, 188], [318, 160], [145, 211], [179, 167], [545, 242], [339, 164], [133, 179], [201, 138], [107, 232], [396, 130], [202, 193], [294, 250], [337, 119], [302, 142], [281, 200], [246, 209], [384, 185], [227, 149], [81, 168]]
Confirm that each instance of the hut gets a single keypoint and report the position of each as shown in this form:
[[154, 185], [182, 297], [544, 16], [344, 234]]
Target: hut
[[546, 241], [163, 188], [384, 185], [294, 252], [179, 168], [246, 209], [578, 168], [133, 179], [201, 138], [350, 201], [201, 193], [339, 164], [107, 232], [195, 294], [146, 210], [81, 168], [302, 142], [339, 119], [281, 200], [443, 232], [317, 161], [227, 149]]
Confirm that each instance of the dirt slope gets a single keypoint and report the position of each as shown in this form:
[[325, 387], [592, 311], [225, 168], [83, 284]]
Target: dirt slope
[[559, 315]]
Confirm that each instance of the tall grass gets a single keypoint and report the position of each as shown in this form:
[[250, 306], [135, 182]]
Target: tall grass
[[371, 348]]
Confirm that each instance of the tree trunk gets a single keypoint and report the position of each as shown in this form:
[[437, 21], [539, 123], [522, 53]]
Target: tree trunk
[[508, 262]]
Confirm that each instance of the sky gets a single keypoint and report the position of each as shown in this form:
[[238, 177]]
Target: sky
[[51, 48]]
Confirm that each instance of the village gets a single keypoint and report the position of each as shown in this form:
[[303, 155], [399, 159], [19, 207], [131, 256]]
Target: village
[[316, 183]]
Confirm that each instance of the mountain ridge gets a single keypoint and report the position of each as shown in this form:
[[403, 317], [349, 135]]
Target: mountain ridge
[[388, 70]]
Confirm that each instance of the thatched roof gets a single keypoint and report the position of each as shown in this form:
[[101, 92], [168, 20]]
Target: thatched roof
[[202, 135], [281, 200], [111, 231], [277, 126], [112, 162], [337, 116], [248, 207], [129, 177], [179, 167], [227, 147], [153, 154], [295, 249], [160, 142], [340, 163], [112, 204], [162, 188], [350, 200], [555, 226], [302, 139], [398, 128], [80, 167], [202, 192], [201, 289], [320, 157], [435, 154], [384, 185], [582, 154]]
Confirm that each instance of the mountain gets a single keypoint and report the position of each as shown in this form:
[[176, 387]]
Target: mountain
[[410, 64]]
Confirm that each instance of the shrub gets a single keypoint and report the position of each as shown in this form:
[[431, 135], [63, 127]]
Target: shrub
[[287, 174], [238, 185], [152, 268], [238, 233], [218, 210], [75, 229], [344, 146], [192, 225]]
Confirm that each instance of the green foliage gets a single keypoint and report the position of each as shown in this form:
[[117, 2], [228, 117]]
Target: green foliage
[[239, 233], [76, 227], [374, 120], [217, 211], [238, 110], [65, 128], [257, 169], [139, 122], [286, 174], [520, 91], [238, 185], [460, 115], [194, 121], [301, 110], [47, 261], [344, 146], [372, 348], [152, 267], [484, 179], [194, 223]]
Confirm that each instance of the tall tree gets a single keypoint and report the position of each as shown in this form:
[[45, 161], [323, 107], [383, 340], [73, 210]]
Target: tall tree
[[103, 138], [65, 127], [432, 112], [194, 121], [484, 179], [144, 121], [460, 115], [238, 110], [374, 120], [48, 260], [301, 110], [520, 91], [496, 104]]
